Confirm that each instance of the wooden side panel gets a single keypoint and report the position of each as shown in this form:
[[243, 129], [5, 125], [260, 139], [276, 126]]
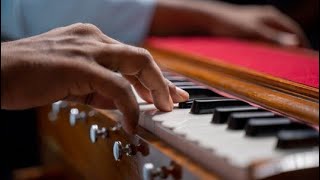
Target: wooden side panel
[[95, 161]]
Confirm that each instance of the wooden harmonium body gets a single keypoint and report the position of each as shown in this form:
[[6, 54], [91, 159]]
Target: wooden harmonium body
[[252, 118]]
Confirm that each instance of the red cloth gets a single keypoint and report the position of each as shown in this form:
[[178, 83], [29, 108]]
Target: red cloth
[[291, 65]]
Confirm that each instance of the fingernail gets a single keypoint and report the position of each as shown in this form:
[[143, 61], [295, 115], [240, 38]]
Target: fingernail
[[184, 95], [288, 39]]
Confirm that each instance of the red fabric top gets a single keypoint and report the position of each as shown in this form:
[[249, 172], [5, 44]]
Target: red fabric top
[[295, 66]]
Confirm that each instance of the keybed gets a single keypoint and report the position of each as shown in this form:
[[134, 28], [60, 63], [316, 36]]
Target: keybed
[[238, 139], [219, 133]]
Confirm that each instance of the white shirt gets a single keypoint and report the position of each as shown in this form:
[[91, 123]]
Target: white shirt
[[125, 20]]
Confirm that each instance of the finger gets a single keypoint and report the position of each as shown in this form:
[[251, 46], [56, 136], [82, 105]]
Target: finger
[[279, 37], [112, 86], [177, 94], [92, 99], [138, 62], [143, 92], [285, 24]]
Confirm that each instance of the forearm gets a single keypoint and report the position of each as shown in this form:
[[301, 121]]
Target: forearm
[[187, 16]]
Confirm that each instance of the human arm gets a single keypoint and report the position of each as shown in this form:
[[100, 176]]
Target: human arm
[[223, 19], [130, 21], [77, 63]]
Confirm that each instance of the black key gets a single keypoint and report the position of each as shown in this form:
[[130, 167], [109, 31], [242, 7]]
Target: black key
[[179, 84], [270, 126], [221, 114], [288, 139], [177, 79], [239, 120], [187, 104], [199, 91], [208, 106]]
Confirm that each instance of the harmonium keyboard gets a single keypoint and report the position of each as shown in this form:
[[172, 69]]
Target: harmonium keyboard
[[253, 113]]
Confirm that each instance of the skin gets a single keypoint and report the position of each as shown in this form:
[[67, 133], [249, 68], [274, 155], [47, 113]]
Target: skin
[[77, 63], [264, 23]]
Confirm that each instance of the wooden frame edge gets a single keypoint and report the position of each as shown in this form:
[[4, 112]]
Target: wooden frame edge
[[291, 99]]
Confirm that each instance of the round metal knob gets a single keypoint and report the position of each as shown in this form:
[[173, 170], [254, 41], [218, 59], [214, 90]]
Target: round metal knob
[[96, 132], [148, 171], [55, 109], [119, 150], [76, 115]]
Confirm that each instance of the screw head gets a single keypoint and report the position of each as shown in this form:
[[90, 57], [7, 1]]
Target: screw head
[[117, 150]]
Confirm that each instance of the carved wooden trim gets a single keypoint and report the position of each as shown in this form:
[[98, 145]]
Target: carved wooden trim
[[291, 99]]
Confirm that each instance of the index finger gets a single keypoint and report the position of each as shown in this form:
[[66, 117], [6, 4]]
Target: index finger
[[138, 62]]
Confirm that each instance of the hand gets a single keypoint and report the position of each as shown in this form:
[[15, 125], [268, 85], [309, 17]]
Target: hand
[[259, 22], [224, 19], [77, 63]]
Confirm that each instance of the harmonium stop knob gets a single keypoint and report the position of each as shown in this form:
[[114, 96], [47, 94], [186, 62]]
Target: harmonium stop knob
[[129, 150], [55, 109], [103, 132], [75, 115], [96, 132], [150, 172], [119, 150]]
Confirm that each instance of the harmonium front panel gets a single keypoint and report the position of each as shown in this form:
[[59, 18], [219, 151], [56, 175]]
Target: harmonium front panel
[[222, 132]]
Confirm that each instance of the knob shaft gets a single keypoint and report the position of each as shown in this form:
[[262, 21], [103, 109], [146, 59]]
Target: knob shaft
[[75, 115], [55, 109], [119, 150], [96, 132], [149, 171], [129, 149]]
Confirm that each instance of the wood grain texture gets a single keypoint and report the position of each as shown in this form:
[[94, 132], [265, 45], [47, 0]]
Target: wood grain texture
[[96, 161], [72, 147], [293, 100], [51, 172]]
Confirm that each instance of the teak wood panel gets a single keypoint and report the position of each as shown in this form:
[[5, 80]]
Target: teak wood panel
[[95, 161], [285, 97]]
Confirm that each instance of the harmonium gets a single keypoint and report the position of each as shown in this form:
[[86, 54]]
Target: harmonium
[[253, 113]]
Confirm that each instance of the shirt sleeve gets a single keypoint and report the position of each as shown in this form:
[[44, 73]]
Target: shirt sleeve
[[125, 20]]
